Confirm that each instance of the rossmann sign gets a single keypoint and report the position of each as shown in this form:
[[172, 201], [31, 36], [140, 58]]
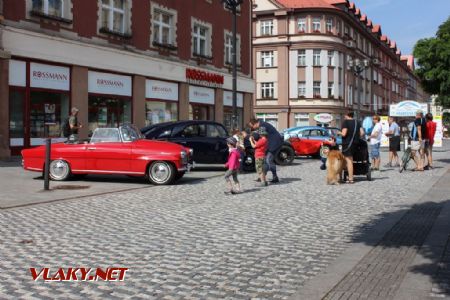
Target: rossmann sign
[[49, 77], [204, 78]]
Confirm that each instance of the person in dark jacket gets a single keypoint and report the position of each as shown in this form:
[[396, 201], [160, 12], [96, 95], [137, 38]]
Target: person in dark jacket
[[275, 141]]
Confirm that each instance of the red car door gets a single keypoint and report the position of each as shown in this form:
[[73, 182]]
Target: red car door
[[109, 157]]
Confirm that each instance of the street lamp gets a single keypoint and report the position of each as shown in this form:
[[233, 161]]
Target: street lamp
[[233, 5], [357, 66]]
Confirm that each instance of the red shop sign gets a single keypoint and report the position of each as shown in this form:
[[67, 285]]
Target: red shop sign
[[202, 76]]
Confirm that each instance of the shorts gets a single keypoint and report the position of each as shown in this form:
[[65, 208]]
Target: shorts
[[349, 150], [394, 143], [416, 145], [232, 173], [375, 151], [259, 164]]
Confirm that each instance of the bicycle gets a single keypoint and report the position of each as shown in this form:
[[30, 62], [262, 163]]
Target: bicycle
[[407, 157]]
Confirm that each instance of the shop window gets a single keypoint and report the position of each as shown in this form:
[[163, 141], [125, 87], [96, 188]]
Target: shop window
[[160, 111], [301, 119], [115, 16], [228, 117], [108, 112], [16, 118], [163, 26], [57, 105], [272, 119], [201, 112]]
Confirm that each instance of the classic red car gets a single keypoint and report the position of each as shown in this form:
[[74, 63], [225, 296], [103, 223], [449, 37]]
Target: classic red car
[[122, 150], [309, 147]]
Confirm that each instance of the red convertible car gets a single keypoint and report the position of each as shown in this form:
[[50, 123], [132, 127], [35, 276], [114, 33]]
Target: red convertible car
[[310, 147], [122, 150]]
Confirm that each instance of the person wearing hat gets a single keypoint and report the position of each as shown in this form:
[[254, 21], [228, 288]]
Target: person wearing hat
[[260, 147], [418, 137], [233, 166], [74, 124]]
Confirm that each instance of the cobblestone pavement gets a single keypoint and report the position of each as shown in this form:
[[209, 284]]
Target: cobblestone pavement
[[441, 286], [192, 241]]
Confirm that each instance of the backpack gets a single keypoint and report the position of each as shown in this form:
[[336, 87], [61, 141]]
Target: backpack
[[66, 128]]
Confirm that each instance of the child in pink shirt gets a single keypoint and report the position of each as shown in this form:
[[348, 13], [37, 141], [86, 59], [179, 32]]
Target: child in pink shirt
[[233, 165]]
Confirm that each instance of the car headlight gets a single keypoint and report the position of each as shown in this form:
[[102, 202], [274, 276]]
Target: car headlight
[[183, 155], [191, 152]]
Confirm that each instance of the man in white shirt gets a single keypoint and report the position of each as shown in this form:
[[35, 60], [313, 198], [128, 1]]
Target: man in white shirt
[[375, 141]]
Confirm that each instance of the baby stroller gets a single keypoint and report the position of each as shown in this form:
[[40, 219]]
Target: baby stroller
[[361, 161]]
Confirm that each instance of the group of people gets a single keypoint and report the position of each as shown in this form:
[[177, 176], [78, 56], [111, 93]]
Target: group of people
[[266, 141]]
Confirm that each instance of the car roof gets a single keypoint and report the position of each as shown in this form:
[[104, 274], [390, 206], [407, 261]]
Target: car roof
[[178, 123], [306, 128]]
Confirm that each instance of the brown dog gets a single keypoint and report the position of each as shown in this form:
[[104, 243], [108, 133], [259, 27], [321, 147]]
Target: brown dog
[[335, 166]]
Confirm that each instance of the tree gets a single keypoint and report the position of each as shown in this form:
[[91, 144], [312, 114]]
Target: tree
[[433, 64]]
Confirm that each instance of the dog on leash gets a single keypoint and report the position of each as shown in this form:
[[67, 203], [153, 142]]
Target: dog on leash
[[335, 166]]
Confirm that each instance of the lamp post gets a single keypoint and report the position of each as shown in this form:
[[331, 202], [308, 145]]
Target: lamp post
[[357, 66], [233, 5]]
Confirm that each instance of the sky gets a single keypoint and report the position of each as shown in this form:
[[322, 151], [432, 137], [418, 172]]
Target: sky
[[406, 21]]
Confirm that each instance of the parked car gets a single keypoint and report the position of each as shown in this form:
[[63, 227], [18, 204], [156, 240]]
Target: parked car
[[307, 132], [208, 140], [122, 150]]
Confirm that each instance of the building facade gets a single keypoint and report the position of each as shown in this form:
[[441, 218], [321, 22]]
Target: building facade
[[118, 61], [301, 53]]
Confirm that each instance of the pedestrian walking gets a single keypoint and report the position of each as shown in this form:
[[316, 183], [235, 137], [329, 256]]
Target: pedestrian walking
[[431, 132], [418, 136], [71, 126], [260, 147], [275, 141], [394, 143], [231, 175], [375, 142], [351, 133]]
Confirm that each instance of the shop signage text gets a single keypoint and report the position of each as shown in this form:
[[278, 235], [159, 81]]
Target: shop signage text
[[106, 83], [323, 118], [79, 274], [228, 99], [156, 89], [407, 109], [201, 95], [49, 77], [204, 78]]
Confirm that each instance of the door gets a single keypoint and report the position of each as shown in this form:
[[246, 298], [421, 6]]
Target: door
[[18, 135], [217, 139], [194, 137]]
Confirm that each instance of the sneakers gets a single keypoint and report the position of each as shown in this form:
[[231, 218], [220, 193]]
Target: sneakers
[[275, 180]]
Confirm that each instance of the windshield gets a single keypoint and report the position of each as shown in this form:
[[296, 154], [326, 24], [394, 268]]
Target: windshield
[[125, 133]]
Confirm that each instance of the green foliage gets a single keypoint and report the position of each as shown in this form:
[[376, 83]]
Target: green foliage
[[433, 61]]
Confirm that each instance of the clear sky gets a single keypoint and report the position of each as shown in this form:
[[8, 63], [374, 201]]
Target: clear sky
[[406, 21]]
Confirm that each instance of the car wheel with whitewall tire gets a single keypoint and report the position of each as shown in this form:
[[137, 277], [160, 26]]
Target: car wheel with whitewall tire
[[285, 156], [59, 170], [161, 173]]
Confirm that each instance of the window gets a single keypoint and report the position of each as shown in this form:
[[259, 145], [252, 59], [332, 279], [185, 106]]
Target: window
[[315, 133], [338, 27], [302, 25], [302, 57], [301, 119], [107, 111], [316, 24], [160, 111], [267, 27], [215, 131], [272, 119], [200, 40], [316, 57], [302, 89], [350, 95], [346, 30], [113, 15], [49, 7], [316, 89], [330, 89], [163, 28], [331, 58], [229, 48], [192, 131], [267, 90], [267, 59], [329, 25]]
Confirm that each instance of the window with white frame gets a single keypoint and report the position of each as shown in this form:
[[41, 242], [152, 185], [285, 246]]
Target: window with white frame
[[346, 30], [114, 15], [272, 119], [267, 59], [49, 7], [201, 39], [267, 27], [301, 119], [301, 25], [302, 57], [302, 89], [330, 89], [338, 27], [163, 27], [267, 90], [228, 48], [350, 95], [316, 57], [330, 58], [316, 24], [316, 88], [329, 24]]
